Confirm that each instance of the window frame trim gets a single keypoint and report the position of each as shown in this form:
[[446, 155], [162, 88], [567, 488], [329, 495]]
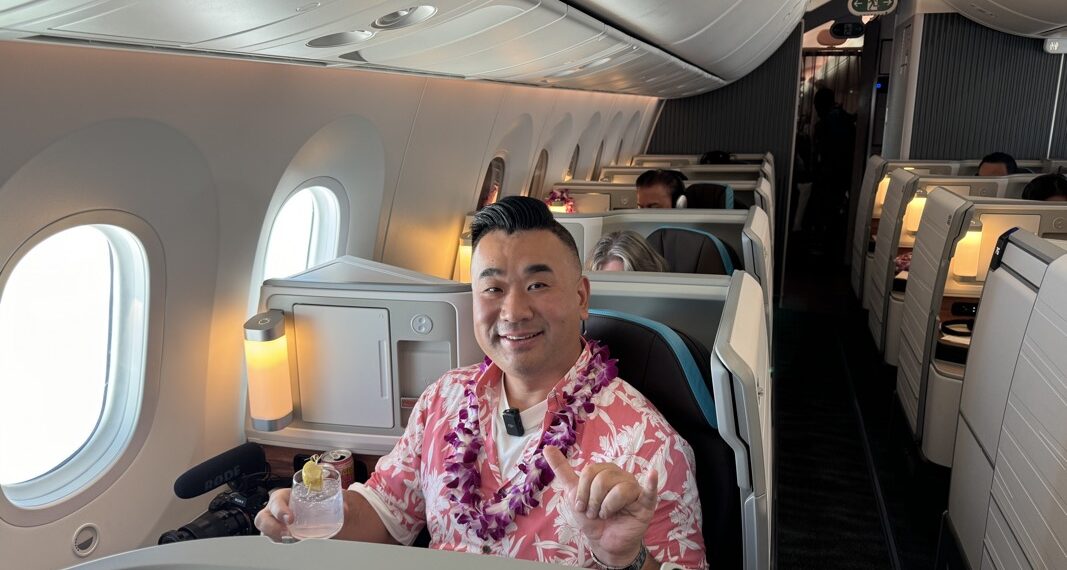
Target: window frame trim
[[115, 442]]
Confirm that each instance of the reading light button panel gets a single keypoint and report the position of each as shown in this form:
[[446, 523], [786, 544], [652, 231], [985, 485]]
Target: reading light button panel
[[421, 324]]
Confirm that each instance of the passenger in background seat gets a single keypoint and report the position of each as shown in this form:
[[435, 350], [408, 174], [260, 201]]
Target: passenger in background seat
[[626, 251], [1047, 187], [716, 157], [660, 189], [997, 164], [534, 453]]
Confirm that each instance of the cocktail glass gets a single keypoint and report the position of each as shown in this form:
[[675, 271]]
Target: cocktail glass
[[317, 514]]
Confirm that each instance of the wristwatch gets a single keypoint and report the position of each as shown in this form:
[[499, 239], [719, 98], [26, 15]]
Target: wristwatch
[[635, 565]]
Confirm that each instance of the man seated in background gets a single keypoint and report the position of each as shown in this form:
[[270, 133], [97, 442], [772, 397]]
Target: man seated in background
[[534, 453], [716, 157], [997, 164], [1047, 188], [626, 251], [660, 189]]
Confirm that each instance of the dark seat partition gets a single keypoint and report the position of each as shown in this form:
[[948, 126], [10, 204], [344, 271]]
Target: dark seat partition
[[693, 251], [672, 371]]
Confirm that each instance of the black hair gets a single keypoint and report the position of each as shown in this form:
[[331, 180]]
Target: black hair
[[823, 100], [1001, 158], [715, 157], [1045, 186], [519, 214], [672, 179]]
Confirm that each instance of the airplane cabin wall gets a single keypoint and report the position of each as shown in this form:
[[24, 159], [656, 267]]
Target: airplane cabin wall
[[960, 90], [253, 132]]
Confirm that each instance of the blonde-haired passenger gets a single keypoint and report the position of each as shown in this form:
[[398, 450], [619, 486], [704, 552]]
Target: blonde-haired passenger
[[626, 251]]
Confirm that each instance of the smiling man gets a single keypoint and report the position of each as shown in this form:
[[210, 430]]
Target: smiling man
[[536, 452]]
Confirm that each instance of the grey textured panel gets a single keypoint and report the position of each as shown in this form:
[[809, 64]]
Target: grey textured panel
[[754, 114], [981, 91], [1059, 138]]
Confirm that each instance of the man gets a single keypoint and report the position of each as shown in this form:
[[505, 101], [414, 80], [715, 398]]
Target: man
[[997, 164], [660, 189], [532, 454]]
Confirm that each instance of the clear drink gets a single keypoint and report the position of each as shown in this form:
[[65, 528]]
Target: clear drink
[[317, 514]]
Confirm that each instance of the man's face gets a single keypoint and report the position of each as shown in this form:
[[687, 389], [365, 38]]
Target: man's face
[[529, 300], [654, 196], [993, 169]]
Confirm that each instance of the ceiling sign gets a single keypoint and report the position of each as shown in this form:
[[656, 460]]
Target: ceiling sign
[[1056, 45], [871, 7]]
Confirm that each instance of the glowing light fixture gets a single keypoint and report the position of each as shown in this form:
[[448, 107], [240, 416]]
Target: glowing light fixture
[[558, 207], [965, 262], [270, 397], [879, 196], [462, 271], [914, 213]]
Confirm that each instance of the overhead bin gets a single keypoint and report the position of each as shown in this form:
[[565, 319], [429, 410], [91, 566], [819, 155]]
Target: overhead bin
[[543, 43], [725, 37], [1034, 18]]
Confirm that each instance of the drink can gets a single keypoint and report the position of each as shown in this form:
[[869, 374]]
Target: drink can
[[343, 462]]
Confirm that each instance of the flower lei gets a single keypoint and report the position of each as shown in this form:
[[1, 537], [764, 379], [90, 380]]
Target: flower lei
[[491, 519], [559, 198]]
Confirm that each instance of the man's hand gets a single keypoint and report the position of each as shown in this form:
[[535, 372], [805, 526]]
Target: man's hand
[[612, 509], [273, 520]]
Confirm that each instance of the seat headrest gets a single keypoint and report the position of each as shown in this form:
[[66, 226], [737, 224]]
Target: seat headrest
[[673, 372], [692, 251], [711, 196]]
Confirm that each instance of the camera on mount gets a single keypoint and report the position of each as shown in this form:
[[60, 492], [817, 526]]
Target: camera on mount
[[233, 512]]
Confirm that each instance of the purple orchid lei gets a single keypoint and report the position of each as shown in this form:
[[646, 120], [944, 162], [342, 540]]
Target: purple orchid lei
[[491, 519]]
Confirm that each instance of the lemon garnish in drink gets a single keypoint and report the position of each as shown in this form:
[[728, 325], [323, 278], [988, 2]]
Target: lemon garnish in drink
[[312, 474]]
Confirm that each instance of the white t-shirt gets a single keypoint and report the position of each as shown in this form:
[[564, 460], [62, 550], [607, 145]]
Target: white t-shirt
[[509, 450]]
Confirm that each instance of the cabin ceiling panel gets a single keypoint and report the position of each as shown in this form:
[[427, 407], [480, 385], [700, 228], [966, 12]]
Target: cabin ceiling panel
[[542, 43], [207, 19], [1035, 18]]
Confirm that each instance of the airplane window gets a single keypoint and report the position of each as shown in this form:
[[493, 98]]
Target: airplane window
[[596, 162], [492, 184], [537, 182], [305, 233], [73, 328], [573, 165], [618, 153]]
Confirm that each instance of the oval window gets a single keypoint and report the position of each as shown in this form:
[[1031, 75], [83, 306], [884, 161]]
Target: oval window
[[596, 162], [537, 181], [492, 184], [82, 293], [573, 166], [305, 232]]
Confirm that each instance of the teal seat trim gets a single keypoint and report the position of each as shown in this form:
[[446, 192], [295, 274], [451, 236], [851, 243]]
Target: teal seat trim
[[727, 261], [697, 384], [729, 197]]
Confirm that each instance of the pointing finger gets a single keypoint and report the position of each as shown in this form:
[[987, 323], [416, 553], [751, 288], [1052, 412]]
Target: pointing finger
[[563, 471]]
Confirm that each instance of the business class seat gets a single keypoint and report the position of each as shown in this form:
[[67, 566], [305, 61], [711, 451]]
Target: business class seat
[[693, 251], [708, 195], [673, 372]]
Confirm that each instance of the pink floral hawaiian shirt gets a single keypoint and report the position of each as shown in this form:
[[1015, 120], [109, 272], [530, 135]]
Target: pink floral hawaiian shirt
[[624, 429]]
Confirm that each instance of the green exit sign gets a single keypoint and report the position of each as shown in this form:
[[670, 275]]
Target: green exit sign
[[871, 7]]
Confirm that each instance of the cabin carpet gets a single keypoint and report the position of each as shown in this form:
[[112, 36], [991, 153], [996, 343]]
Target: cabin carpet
[[851, 488]]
